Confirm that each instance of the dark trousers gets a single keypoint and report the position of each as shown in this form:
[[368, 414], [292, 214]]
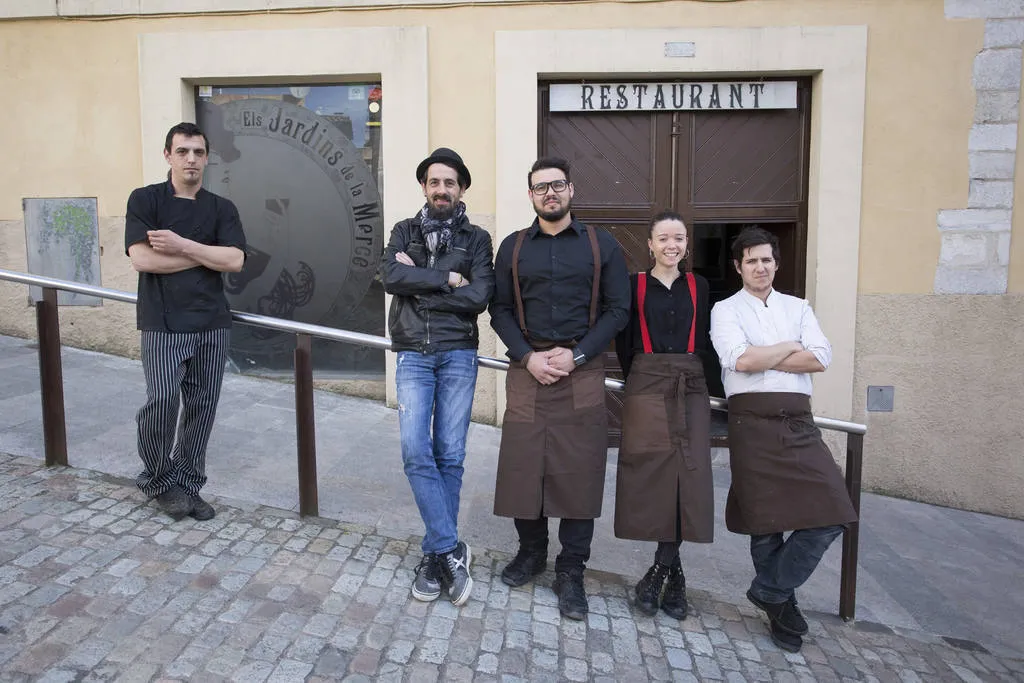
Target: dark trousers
[[575, 536], [183, 370], [667, 552], [784, 566]]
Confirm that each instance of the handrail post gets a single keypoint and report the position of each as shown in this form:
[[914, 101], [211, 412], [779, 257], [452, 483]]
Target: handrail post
[[305, 426], [851, 537], [51, 379]]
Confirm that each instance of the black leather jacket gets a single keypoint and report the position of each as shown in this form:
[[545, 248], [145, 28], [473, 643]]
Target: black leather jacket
[[427, 315]]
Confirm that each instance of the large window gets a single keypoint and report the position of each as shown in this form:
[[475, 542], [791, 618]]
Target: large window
[[302, 163]]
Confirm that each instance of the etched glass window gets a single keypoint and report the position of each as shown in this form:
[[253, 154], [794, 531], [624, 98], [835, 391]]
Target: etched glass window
[[302, 164]]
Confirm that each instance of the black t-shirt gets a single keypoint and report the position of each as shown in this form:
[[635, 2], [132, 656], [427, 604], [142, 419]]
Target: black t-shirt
[[190, 300]]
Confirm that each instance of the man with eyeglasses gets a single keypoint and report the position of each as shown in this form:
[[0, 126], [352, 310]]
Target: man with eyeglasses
[[562, 293]]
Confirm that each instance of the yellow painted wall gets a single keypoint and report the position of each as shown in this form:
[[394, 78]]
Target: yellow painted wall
[[920, 107], [74, 125]]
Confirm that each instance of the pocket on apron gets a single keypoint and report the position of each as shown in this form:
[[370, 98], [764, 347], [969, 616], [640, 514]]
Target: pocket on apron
[[799, 432], [802, 439], [587, 389], [645, 424], [521, 396]]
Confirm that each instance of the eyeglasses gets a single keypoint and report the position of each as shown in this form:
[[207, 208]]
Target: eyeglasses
[[541, 189]]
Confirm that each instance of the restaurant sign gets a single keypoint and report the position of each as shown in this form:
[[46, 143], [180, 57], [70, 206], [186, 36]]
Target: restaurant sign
[[727, 95]]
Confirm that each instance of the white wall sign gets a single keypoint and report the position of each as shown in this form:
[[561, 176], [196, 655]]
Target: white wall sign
[[730, 95], [680, 49]]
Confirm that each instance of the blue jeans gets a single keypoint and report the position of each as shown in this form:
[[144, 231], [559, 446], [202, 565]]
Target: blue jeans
[[435, 402], [782, 567]]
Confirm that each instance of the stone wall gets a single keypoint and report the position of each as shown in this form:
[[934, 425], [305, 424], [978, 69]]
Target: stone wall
[[975, 254]]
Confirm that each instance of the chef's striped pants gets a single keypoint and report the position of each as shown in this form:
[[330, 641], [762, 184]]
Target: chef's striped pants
[[183, 370]]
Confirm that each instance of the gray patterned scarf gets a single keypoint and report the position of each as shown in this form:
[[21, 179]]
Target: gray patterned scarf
[[438, 231]]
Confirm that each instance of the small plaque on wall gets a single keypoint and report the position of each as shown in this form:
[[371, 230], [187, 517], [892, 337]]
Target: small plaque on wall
[[680, 49], [62, 241], [881, 399]]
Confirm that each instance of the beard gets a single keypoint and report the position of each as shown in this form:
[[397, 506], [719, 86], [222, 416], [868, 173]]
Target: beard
[[440, 213], [552, 214]]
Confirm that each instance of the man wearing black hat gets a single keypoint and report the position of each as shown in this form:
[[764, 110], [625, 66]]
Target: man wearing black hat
[[438, 268]]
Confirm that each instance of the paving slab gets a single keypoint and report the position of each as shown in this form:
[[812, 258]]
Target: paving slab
[[97, 585], [923, 568]]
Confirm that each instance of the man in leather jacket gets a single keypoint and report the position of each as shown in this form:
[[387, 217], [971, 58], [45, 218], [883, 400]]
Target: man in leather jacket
[[438, 268]]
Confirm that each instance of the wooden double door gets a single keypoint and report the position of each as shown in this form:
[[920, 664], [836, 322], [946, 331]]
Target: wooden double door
[[720, 170]]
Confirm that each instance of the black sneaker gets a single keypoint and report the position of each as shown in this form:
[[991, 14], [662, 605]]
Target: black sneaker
[[648, 590], [174, 502], [463, 552], [455, 573], [673, 602], [787, 641], [527, 563], [199, 509], [572, 599], [427, 586], [784, 614]]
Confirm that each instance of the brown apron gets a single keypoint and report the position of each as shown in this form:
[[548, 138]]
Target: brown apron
[[554, 445], [554, 438], [783, 474], [664, 489]]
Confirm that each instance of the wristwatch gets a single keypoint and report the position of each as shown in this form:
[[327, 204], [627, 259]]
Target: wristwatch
[[578, 357]]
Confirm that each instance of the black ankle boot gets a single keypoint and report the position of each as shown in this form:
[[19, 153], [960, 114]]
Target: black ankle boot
[[572, 597], [527, 563], [648, 591], [674, 601]]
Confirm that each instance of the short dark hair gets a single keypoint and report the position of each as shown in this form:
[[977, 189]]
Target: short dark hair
[[548, 162], [189, 130], [754, 236], [666, 215]]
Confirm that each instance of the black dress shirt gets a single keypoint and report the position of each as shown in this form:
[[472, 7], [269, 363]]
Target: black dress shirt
[[556, 274], [190, 300], [669, 313]]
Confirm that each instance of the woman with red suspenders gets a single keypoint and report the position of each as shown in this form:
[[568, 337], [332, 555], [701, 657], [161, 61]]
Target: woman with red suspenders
[[664, 490]]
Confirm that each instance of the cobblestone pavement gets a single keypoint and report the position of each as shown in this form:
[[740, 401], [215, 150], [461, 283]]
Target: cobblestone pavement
[[97, 585]]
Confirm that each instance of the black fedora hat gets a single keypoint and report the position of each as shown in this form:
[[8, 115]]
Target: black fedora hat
[[448, 157]]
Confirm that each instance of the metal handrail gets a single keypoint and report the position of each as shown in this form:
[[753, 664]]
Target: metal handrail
[[345, 336], [55, 435]]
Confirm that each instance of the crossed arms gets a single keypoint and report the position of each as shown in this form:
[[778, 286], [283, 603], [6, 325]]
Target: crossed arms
[[168, 252], [784, 356], [809, 353], [439, 290], [164, 251]]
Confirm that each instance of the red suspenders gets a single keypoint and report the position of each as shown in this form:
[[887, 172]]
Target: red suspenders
[[641, 295]]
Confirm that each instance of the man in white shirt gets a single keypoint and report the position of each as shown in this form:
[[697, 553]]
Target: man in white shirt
[[783, 475]]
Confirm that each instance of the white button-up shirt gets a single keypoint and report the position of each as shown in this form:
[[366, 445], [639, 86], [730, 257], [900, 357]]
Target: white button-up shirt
[[744, 320]]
